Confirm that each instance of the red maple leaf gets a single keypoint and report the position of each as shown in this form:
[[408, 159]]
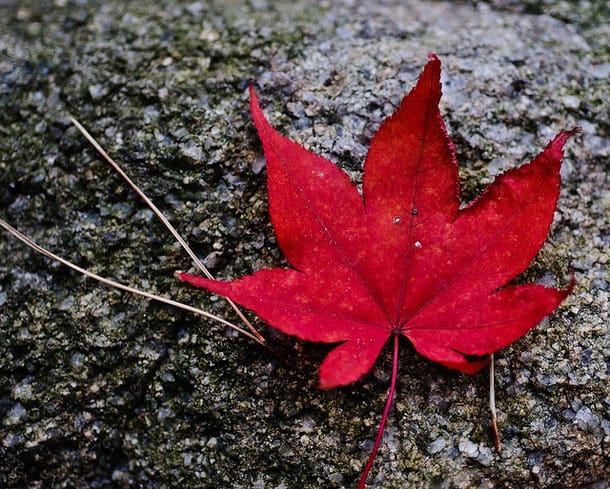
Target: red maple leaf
[[402, 258]]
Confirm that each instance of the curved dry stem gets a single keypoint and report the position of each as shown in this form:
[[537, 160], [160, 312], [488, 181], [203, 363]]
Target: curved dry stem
[[492, 407], [165, 221], [111, 283], [384, 417]]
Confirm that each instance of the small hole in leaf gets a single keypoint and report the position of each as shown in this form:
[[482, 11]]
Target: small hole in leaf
[[397, 220]]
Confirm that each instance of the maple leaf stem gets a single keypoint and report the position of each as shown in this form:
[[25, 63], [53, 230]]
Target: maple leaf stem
[[384, 417], [43, 251], [492, 407], [165, 221]]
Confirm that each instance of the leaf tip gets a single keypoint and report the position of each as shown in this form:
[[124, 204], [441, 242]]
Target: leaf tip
[[261, 123], [555, 147], [254, 105], [328, 382], [328, 379], [188, 278], [435, 62]]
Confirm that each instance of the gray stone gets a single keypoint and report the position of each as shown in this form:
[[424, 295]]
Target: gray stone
[[103, 389], [586, 420]]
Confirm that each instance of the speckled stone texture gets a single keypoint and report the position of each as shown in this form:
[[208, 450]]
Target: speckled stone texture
[[101, 389]]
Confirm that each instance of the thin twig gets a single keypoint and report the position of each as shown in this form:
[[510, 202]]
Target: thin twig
[[126, 288], [492, 407], [164, 220]]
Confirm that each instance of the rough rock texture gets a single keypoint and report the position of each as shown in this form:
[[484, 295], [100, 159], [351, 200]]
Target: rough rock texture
[[102, 389]]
